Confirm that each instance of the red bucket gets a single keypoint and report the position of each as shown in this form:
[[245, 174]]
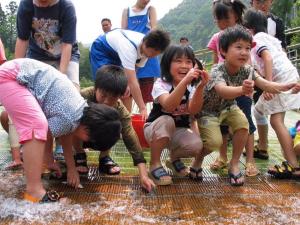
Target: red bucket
[[138, 126]]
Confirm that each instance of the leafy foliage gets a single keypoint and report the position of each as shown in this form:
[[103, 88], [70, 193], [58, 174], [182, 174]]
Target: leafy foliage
[[192, 19], [8, 31]]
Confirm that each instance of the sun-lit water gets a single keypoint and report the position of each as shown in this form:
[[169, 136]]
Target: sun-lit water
[[120, 200]]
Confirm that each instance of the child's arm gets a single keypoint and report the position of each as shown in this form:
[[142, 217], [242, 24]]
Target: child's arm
[[276, 88], [268, 64], [196, 103], [72, 175], [169, 102], [229, 92]]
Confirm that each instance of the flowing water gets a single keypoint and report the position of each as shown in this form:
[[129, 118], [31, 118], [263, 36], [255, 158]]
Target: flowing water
[[120, 199]]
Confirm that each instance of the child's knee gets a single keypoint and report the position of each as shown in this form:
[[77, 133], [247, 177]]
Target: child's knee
[[162, 127], [260, 118]]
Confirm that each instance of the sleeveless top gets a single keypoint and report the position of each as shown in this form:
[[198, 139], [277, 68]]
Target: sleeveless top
[[140, 22], [181, 119]]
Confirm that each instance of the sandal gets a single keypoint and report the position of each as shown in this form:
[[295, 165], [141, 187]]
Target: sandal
[[81, 163], [14, 166], [218, 164], [50, 196], [157, 174], [235, 177], [251, 170], [178, 168], [285, 171], [260, 153], [106, 164], [195, 174]]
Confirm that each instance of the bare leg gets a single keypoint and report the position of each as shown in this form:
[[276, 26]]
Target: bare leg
[[33, 153], [239, 141], [263, 136], [157, 147], [249, 149], [284, 138], [198, 160], [223, 149]]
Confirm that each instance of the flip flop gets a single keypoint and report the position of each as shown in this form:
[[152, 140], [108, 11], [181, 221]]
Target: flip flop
[[198, 174], [235, 177]]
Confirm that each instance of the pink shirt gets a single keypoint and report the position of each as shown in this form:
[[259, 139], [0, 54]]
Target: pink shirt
[[2, 53], [213, 45]]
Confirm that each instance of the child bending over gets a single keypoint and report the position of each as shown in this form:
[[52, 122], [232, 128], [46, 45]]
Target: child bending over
[[217, 106], [110, 85], [38, 97]]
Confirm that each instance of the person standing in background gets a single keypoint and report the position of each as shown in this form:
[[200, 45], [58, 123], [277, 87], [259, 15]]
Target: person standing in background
[[142, 18], [46, 31], [106, 25]]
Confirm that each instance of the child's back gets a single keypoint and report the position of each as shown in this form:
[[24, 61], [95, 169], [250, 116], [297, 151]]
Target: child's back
[[281, 63]]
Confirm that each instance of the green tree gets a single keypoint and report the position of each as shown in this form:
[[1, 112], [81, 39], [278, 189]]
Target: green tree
[[296, 23], [11, 16], [282, 9], [8, 31], [84, 66]]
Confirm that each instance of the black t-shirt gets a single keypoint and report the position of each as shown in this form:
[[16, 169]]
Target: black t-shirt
[[47, 28]]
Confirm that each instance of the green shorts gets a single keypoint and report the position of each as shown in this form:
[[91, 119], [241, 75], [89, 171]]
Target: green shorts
[[209, 126]]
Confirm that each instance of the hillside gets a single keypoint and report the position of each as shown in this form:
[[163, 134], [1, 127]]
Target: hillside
[[193, 19]]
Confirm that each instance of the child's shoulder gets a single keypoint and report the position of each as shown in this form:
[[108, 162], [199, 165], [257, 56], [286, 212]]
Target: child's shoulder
[[162, 84]]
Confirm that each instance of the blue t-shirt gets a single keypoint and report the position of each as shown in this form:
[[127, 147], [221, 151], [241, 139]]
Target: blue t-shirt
[[59, 99], [46, 28]]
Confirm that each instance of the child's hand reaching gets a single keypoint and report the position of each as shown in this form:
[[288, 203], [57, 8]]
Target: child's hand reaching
[[248, 87], [147, 183]]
